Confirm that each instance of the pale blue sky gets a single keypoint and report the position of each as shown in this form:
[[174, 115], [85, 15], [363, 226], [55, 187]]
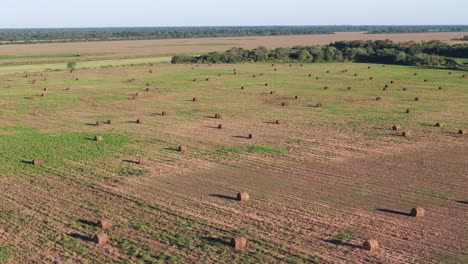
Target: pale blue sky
[[114, 13]]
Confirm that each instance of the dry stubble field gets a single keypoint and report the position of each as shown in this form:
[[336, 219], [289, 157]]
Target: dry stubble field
[[320, 183]]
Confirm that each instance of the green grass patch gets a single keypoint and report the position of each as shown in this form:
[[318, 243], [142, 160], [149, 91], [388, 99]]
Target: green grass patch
[[19, 145], [251, 149], [5, 253]]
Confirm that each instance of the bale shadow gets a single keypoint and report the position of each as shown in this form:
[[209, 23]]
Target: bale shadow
[[341, 243], [87, 222], [90, 139], [81, 237], [244, 137], [212, 117], [91, 124], [462, 202], [393, 211], [222, 196], [215, 240], [214, 127], [270, 122], [130, 161], [29, 162], [172, 149]]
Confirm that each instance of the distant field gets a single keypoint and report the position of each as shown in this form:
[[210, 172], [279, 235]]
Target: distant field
[[114, 49], [321, 182], [30, 68]]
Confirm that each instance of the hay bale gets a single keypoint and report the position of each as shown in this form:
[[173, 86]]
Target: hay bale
[[440, 87], [296, 97], [164, 113], [408, 111], [406, 134], [461, 132], [150, 71], [463, 76], [378, 98], [250, 136], [220, 126], [438, 124], [384, 89], [416, 98], [148, 85], [37, 162], [147, 89], [98, 138], [284, 104], [310, 75], [195, 99], [276, 69], [109, 122], [98, 124], [142, 161], [261, 74], [415, 74], [404, 89], [328, 71], [242, 88], [391, 81], [104, 223], [182, 149], [139, 121], [349, 88], [396, 127], [319, 105], [417, 212], [266, 84], [235, 73], [218, 116], [194, 80], [207, 79], [43, 94], [253, 76], [355, 74], [370, 245], [135, 97], [279, 121], [45, 89], [34, 82], [101, 239], [272, 92], [243, 197], [239, 243], [68, 89]]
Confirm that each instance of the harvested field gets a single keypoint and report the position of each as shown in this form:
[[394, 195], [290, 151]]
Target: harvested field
[[320, 185]]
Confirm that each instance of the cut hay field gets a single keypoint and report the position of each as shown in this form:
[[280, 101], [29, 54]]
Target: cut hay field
[[321, 182], [19, 53]]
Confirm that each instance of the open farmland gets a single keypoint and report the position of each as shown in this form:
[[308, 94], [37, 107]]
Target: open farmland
[[21, 53], [329, 176]]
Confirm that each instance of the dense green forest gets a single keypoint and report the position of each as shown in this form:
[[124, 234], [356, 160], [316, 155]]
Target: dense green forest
[[8, 36], [432, 53]]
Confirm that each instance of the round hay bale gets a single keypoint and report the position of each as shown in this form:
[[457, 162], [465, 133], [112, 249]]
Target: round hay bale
[[406, 134], [328, 71], [98, 124], [370, 245], [415, 74], [396, 127], [164, 113], [355, 74], [37, 162], [438, 124], [139, 121], [404, 89], [266, 84], [243, 197], [34, 82], [310, 75], [272, 65], [440, 87], [417, 212], [194, 80], [276, 69], [101, 239], [182, 149], [284, 104], [68, 89], [279, 121], [384, 89], [109, 122], [148, 85], [242, 88], [463, 76], [45, 89], [349, 88], [235, 73], [408, 111], [461, 132], [386, 86], [391, 81], [195, 99], [378, 98], [98, 138], [147, 89], [261, 74], [272, 92], [142, 161], [218, 116], [319, 105], [150, 71], [135, 97], [239, 243], [416, 98], [207, 79], [250, 136], [253, 76], [43, 94], [220, 126], [104, 223], [296, 97]]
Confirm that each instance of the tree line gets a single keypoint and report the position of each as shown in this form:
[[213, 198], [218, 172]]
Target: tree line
[[432, 53], [26, 36]]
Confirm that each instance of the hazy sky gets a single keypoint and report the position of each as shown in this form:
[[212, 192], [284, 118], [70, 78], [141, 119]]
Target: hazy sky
[[114, 13]]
